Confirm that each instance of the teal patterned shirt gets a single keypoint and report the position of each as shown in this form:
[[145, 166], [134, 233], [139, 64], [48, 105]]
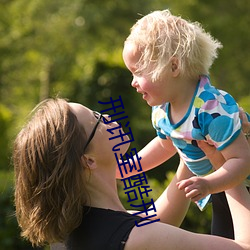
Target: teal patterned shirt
[[213, 115]]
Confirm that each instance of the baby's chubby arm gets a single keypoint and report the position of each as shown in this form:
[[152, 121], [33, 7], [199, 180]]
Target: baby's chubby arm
[[152, 155], [197, 187], [234, 170]]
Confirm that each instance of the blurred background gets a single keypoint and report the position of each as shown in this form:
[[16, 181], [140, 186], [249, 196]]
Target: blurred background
[[72, 48]]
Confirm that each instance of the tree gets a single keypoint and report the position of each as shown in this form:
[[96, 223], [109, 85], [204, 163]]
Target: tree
[[72, 48]]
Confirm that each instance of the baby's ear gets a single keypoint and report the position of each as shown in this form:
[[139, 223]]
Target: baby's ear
[[175, 66], [90, 161]]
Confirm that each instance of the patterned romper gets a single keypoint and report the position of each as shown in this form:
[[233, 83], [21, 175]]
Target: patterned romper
[[213, 115]]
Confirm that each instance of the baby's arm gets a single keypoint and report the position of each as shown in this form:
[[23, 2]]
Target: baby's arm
[[152, 155], [234, 171]]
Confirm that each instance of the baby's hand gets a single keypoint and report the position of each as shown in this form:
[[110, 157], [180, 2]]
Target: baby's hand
[[194, 187]]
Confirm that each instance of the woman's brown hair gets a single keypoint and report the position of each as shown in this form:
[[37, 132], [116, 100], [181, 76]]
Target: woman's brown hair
[[49, 187]]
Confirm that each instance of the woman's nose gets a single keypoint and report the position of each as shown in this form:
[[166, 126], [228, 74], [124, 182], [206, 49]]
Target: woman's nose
[[107, 117]]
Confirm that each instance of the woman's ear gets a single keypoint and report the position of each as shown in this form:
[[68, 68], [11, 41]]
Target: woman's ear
[[90, 161], [175, 66]]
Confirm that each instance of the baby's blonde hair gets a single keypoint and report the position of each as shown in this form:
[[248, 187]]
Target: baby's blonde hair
[[161, 36]]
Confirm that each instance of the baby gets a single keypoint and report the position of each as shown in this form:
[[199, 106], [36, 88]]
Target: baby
[[170, 59]]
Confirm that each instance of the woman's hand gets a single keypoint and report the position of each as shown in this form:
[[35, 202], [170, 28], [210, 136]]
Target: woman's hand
[[245, 124]]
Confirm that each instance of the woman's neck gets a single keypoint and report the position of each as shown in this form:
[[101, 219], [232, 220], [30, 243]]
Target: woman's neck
[[102, 189]]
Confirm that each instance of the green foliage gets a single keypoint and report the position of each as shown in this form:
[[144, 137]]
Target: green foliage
[[73, 48], [9, 231], [5, 123], [228, 22], [245, 103]]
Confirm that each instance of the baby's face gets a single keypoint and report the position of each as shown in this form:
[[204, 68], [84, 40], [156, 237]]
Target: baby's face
[[152, 92]]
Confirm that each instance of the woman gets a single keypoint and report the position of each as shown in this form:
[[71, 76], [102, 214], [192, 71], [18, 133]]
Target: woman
[[65, 189]]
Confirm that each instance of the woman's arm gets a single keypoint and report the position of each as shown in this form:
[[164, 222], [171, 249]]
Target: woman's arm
[[160, 236], [239, 203], [172, 205]]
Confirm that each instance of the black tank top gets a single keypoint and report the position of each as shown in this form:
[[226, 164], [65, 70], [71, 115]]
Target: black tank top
[[102, 229]]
